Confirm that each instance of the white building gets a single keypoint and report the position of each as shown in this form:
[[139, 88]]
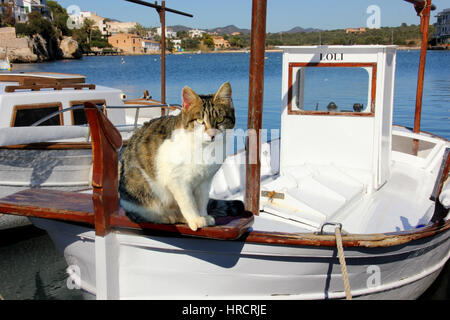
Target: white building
[[169, 32], [105, 26], [177, 44], [150, 46], [115, 27], [21, 8], [442, 26], [196, 33]]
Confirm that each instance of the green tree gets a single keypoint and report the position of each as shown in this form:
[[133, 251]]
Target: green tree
[[182, 34], [84, 35], [208, 41], [37, 25], [7, 18], [236, 41], [140, 30], [97, 40], [59, 17], [169, 45], [190, 44]]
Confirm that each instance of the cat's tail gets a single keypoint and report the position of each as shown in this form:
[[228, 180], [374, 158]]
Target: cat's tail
[[222, 208]]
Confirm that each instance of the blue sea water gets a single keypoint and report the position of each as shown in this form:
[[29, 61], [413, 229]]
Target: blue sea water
[[206, 72]]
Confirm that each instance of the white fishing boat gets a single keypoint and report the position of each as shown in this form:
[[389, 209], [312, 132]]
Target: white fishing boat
[[5, 64], [343, 205]]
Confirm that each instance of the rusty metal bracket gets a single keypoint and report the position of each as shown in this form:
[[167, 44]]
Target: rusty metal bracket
[[272, 195]]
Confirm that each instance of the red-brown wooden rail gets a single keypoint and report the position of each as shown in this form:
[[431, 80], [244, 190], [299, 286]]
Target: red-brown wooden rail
[[255, 106]]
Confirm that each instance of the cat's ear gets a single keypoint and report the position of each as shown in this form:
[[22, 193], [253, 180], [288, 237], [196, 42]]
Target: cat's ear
[[189, 97], [224, 92]]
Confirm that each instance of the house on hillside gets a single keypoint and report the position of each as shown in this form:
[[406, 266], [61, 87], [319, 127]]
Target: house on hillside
[[115, 27], [106, 26], [355, 30], [442, 27], [150, 46], [127, 43], [21, 8], [169, 32], [220, 42], [196, 33], [176, 44]]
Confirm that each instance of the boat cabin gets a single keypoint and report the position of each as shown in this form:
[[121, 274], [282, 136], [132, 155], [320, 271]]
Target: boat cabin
[[56, 101], [337, 108], [26, 98], [336, 129]]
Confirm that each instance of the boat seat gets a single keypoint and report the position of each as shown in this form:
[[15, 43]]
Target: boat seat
[[101, 209], [79, 207]]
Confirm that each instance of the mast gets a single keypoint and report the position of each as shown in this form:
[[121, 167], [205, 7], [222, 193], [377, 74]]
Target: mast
[[161, 9], [423, 9], [255, 106]]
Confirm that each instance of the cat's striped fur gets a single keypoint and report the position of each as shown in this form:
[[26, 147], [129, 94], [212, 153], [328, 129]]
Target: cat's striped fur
[[161, 177]]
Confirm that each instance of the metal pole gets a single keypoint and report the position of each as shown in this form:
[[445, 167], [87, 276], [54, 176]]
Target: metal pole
[[255, 106], [424, 24], [162, 18]]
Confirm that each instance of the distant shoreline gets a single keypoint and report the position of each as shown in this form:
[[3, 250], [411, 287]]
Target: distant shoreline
[[228, 51]]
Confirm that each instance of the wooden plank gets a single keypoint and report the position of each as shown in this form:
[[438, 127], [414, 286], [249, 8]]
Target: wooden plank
[[61, 86], [226, 228], [79, 207], [50, 204], [43, 78]]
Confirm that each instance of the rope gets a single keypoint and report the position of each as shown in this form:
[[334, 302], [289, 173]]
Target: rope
[[348, 293]]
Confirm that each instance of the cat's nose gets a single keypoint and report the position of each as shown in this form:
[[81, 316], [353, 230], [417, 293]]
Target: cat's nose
[[211, 133]]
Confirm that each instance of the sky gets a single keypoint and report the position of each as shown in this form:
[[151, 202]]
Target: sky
[[282, 15]]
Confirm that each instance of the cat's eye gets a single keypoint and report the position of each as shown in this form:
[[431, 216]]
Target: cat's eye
[[200, 121], [219, 119]]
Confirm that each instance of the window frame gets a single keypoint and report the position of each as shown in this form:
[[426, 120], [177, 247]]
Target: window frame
[[81, 102], [293, 65], [36, 106]]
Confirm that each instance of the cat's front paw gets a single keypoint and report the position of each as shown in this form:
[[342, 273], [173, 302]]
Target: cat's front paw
[[200, 222]]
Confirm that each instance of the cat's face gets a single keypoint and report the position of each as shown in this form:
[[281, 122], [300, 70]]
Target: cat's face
[[208, 115]]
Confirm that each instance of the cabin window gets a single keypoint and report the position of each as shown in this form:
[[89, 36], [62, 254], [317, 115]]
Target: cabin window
[[26, 115], [332, 89], [78, 115]]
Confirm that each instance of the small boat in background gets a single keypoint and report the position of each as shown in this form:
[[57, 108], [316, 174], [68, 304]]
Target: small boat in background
[[5, 64], [44, 137]]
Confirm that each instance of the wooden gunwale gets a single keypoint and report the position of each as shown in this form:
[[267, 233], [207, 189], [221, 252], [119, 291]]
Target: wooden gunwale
[[42, 78], [349, 240], [119, 222], [84, 215]]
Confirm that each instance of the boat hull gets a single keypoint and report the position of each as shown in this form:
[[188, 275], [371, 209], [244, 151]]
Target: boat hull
[[66, 169], [159, 267]]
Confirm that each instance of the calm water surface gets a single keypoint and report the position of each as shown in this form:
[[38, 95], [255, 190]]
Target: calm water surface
[[206, 72], [31, 268]]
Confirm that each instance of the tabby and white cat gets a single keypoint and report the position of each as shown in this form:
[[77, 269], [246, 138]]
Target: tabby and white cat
[[161, 177]]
